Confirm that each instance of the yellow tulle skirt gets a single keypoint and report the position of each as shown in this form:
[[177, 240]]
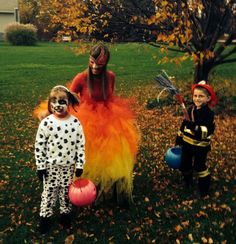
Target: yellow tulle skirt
[[112, 140]]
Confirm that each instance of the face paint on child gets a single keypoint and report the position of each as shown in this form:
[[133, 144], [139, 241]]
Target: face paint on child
[[95, 67], [97, 64], [59, 103]]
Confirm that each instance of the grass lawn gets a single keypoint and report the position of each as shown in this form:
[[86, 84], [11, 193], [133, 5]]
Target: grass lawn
[[163, 211]]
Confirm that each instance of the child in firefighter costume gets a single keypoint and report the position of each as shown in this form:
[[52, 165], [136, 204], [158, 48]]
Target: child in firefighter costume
[[195, 135], [59, 153], [111, 134]]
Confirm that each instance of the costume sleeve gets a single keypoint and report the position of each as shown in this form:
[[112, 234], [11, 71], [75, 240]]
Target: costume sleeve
[[189, 125], [207, 127], [77, 83], [80, 148], [41, 147]]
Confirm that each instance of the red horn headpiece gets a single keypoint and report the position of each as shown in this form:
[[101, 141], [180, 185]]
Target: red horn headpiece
[[102, 58]]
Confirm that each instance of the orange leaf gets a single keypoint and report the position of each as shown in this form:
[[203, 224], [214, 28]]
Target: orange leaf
[[178, 228], [146, 199], [69, 239]]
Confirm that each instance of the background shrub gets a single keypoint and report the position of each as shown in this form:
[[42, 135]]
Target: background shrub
[[21, 34]]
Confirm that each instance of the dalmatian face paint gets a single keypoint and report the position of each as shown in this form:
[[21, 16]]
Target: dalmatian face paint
[[59, 103]]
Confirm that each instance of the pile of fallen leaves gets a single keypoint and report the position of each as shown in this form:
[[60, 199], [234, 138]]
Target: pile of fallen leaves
[[163, 210]]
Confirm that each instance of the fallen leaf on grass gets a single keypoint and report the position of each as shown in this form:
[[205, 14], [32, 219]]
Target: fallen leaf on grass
[[178, 228], [222, 225], [177, 241], [210, 240], [190, 237], [202, 214], [197, 225], [158, 214], [185, 223], [204, 240], [110, 238], [224, 206], [136, 229], [69, 239], [146, 199]]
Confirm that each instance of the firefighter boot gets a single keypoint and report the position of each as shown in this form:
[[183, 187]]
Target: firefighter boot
[[204, 185]]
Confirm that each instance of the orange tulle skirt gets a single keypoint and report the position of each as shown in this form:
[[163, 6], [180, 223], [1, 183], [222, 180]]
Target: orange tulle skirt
[[112, 140]]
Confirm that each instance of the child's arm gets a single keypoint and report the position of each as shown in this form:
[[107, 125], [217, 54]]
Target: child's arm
[[80, 152], [206, 127], [40, 148], [203, 127]]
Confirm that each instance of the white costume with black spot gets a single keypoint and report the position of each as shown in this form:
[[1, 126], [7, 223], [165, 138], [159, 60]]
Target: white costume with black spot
[[59, 148]]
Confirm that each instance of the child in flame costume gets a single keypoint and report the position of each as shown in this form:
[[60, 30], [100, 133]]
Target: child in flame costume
[[195, 135], [111, 134]]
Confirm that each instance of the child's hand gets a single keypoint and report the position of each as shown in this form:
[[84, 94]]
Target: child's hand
[[42, 174], [78, 172]]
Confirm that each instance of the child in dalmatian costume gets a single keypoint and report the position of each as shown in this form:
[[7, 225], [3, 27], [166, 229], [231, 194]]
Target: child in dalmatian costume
[[59, 150]]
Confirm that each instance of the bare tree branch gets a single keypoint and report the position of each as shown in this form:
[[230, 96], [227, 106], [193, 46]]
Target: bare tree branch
[[222, 58], [159, 45]]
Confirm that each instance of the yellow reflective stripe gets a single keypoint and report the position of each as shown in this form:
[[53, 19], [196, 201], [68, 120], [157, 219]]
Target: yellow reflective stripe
[[188, 131], [180, 133], [204, 131], [195, 142], [203, 173]]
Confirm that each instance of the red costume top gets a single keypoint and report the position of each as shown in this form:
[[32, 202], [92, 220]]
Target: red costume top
[[80, 86], [110, 132]]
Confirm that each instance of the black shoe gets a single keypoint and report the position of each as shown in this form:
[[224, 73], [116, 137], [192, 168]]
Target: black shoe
[[44, 225], [65, 221]]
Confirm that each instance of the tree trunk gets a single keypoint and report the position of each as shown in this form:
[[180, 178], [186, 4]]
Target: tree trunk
[[202, 70]]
